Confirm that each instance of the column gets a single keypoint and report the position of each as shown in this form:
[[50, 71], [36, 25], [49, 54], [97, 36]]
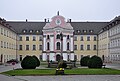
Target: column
[[71, 43], [44, 42], [64, 43], [51, 42]]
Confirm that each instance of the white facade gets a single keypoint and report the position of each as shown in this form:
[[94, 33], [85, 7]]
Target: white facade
[[114, 47], [58, 40]]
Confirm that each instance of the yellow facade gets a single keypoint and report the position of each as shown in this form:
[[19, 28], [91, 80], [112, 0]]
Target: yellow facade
[[103, 42], [80, 53], [29, 52], [7, 44]]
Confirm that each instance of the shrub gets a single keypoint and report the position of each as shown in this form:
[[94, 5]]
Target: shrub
[[95, 62], [84, 61], [62, 64], [29, 63], [38, 62]]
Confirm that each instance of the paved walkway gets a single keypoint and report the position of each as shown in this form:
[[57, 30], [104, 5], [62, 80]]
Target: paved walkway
[[60, 78]]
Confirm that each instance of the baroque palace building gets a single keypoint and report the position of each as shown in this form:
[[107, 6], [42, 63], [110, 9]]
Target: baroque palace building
[[59, 38]]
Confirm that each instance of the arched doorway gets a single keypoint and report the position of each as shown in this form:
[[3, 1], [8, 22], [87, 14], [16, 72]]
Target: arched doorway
[[58, 57]]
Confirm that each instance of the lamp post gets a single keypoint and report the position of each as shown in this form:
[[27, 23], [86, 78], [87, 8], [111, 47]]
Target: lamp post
[[61, 38]]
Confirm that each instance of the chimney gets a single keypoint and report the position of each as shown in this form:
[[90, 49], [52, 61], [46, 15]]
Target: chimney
[[26, 20], [45, 20], [70, 20]]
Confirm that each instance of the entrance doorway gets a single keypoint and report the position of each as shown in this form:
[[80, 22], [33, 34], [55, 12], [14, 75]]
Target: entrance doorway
[[58, 57]]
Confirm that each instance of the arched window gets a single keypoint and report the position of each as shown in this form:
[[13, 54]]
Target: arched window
[[58, 36], [58, 45], [48, 46], [68, 47]]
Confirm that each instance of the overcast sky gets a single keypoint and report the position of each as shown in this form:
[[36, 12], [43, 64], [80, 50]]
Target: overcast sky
[[80, 10]]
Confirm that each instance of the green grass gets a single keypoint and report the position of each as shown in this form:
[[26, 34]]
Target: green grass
[[77, 71]]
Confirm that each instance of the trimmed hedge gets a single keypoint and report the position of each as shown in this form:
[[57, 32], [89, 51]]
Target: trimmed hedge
[[95, 62], [29, 62], [84, 61], [38, 62]]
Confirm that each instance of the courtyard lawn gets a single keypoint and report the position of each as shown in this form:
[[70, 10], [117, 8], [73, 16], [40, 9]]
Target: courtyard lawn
[[76, 71]]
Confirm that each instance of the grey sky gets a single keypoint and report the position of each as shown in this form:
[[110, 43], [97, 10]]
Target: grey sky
[[80, 10]]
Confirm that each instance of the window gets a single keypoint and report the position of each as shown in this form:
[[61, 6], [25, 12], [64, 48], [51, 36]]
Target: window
[[48, 46], [88, 47], [27, 38], [88, 38], [4, 44], [20, 38], [27, 47], [20, 47], [75, 38], [95, 38], [48, 37], [58, 36], [34, 47], [81, 38], [40, 38], [75, 47], [2, 31], [40, 47], [81, 47], [68, 47], [7, 45], [1, 44], [68, 37], [58, 45], [34, 38], [94, 47]]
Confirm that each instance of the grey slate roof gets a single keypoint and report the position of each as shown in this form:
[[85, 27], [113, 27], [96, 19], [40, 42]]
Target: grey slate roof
[[88, 28], [27, 26], [91, 28]]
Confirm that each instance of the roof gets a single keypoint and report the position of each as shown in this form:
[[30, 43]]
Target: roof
[[34, 27], [88, 28], [83, 28]]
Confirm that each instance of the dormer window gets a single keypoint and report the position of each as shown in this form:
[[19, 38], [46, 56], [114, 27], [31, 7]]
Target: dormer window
[[24, 31], [37, 31], [31, 31]]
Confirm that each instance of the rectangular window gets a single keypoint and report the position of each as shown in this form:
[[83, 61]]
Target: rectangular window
[[20, 47], [95, 47], [4, 32], [1, 31], [95, 38], [4, 44], [1, 44], [81, 38], [88, 47], [40, 47], [27, 47], [34, 38], [7, 33], [75, 47], [88, 38], [27, 38], [48, 37], [7, 45], [81, 47], [34, 47], [40, 38], [75, 38], [20, 38]]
